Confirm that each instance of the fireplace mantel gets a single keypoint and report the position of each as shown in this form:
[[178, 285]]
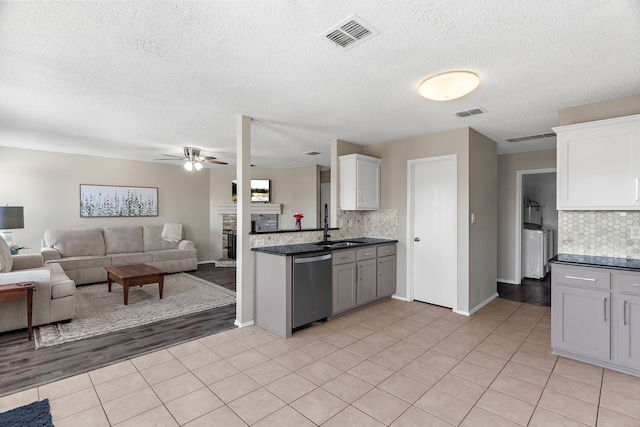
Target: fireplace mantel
[[256, 208]]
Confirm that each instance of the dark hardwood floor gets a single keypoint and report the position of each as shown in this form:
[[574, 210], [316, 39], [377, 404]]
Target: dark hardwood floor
[[23, 367], [530, 291]]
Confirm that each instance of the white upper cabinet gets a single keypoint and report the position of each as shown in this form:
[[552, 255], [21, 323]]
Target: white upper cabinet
[[359, 182], [599, 165]]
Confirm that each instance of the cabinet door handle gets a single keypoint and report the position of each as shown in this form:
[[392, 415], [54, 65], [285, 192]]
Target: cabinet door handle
[[586, 279], [359, 197], [636, 284], [637, 188], [368, 253], [605, 309], [624, 312]]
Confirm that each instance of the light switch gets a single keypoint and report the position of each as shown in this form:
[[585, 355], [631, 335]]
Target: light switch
[[473, 218]]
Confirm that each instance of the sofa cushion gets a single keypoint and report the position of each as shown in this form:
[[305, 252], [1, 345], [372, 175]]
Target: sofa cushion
[[6, 262], [153, 241], [83, 262], [170, 254], [120, 240], [73, 242], [132, 258]]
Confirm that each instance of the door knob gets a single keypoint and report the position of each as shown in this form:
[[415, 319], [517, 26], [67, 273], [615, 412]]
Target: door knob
[[417, 239]]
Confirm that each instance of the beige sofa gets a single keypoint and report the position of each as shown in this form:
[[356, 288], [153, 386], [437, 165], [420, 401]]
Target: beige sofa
[[84, 252], [54, 296]]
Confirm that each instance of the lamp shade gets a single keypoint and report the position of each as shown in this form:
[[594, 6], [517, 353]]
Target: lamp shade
[[11, 217]]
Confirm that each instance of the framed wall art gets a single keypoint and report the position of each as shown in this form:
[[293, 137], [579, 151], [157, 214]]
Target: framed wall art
[[117, 201]]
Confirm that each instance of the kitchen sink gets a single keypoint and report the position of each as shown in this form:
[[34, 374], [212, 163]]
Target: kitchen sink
[[339, 244]]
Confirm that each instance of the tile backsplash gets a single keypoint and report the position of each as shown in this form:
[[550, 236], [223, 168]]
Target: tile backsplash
[[380, 224], [598, 233]]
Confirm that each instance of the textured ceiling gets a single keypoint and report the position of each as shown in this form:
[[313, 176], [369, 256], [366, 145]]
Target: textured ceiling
[[138, 79]]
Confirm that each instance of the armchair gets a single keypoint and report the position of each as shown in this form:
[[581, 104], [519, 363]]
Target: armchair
[[54, 296]]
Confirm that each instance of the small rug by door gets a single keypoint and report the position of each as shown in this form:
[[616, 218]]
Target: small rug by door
[[36, 414], [99, 311]]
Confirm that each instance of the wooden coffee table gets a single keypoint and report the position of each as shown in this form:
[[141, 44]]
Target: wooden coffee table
[[18, 291], [134, 275]]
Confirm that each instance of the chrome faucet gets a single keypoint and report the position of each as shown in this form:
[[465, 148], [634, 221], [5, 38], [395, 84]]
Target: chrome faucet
[[325, 234]]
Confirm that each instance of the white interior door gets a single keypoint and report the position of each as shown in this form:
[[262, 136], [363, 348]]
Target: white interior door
[[433, 230]]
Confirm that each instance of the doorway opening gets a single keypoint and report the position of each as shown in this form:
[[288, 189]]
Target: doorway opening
[[536, 223]]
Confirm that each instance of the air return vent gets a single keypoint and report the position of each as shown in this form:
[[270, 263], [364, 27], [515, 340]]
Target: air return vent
[[471, 112], [349, 32], [531, 137]]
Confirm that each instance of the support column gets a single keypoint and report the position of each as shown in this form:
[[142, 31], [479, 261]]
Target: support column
[[244, 257]]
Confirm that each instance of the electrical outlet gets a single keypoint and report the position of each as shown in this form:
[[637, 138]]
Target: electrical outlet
[[635, 232]]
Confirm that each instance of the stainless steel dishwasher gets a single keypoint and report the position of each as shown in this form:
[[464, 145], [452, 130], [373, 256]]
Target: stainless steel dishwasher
[[312, 291]]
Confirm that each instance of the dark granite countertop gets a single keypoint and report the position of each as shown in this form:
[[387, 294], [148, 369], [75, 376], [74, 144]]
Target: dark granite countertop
[[310, 248], [597, 261]]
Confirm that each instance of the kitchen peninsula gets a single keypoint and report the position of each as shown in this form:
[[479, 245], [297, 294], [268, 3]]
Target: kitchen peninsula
[[301, 283]]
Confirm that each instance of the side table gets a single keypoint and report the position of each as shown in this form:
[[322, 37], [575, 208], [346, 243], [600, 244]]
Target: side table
[[19, 291]]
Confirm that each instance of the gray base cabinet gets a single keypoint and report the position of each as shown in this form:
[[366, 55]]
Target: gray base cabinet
[[627, 323], [344, 287], [361, 276], [595, 316], [582, 321], [386, 276]]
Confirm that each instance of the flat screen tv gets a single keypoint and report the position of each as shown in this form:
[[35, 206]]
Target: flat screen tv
[[260, 190]]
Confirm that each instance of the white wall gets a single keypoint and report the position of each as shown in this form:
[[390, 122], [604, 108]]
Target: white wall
[[48, 186], [508, 166], [483, 204], [393, 173]]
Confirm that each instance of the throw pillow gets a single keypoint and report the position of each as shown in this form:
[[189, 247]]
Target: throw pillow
[[6, 262]]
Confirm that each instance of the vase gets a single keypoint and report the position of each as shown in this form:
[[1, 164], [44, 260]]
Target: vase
[[298, 224]]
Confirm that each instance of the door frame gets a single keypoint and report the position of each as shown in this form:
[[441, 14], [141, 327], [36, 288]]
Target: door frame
[[411, 165], [519, 202]]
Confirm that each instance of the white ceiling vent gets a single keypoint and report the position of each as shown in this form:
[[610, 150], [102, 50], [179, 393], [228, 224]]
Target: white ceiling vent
[[530, 137], [350, 32], [312, 153], [471, 112]]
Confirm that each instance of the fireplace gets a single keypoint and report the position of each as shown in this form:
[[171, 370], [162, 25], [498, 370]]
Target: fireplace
[[259, 222]]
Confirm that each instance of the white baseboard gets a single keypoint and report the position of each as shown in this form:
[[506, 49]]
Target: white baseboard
[[511, 282], [479, 306], [243, 325], [405, 299], [206, 262]]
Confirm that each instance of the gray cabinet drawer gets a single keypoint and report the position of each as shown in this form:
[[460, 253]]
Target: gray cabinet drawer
[[627, 283], [366, 253], [583, 277], [386, 250], [343, 257]]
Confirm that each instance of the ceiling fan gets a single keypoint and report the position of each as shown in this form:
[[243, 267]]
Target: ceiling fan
[[193, 159]]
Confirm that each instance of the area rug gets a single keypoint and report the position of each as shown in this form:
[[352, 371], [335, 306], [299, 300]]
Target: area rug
[[99, 311], [36, 414]]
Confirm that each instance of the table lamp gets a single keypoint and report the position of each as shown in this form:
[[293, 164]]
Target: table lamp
[[11, 217]]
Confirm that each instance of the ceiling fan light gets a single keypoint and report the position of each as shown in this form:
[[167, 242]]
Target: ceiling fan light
[[448, 86], [198, 166], [188, 166]]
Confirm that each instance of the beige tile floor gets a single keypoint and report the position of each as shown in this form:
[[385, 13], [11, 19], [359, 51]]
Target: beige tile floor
[[393, 363]]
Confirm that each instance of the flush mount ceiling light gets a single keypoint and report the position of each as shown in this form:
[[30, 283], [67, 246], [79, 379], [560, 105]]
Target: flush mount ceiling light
[[449, 85]]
